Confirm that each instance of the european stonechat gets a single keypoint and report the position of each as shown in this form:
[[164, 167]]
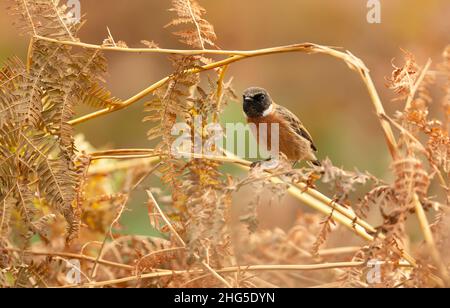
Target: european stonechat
[[294, 140]]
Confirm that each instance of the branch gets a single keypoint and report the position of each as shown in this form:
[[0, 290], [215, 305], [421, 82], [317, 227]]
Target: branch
[[352, 61], [124, 154], [185, 52], [232, 269], [95, 169]]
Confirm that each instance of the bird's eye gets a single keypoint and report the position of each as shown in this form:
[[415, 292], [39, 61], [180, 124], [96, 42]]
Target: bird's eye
[[262, 97]]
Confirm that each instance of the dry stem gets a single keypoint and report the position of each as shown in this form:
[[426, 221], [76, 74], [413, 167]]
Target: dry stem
[[232, 269], [429, 240], [352, 61]]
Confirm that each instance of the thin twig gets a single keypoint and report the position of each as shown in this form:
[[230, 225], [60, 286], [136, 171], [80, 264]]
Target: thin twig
[[97, 169], [99, 256]]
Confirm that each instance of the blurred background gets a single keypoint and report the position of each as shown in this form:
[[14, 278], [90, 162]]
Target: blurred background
[[330, 99]]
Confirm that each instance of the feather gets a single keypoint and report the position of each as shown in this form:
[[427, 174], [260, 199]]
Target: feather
[[295, 124]]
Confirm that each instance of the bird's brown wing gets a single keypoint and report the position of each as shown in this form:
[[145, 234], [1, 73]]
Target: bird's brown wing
[[295, 124]]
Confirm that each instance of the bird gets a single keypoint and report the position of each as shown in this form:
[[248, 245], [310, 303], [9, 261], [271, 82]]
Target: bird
[[295, 142]]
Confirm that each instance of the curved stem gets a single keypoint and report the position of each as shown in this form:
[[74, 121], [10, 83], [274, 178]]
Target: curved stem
[[352, 61]]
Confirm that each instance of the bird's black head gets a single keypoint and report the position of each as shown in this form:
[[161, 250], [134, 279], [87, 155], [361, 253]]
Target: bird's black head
[[256, 102]]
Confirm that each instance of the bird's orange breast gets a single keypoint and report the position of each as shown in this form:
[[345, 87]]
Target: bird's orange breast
[[289, 143]]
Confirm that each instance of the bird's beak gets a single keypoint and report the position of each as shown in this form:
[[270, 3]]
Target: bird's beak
[[248, 99]]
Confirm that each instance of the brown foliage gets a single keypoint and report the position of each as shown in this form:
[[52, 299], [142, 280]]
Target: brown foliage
[[58, 204]]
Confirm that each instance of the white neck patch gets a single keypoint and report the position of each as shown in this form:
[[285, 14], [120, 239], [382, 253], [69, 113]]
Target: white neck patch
[[268, 111]]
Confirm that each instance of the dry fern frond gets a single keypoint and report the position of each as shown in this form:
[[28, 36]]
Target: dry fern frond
[[20, 96], [99, 97], [379, 196], [41, 226], [441, 232], [354, 277], [275, 246], [261, 185], [39, 101], [172, 100], [45, 18], [342, 182], [384, 254], [410, 178], [403, 78], [190, 12], [57, 181], [68, 81], [47, 185], [208, 201], [327, 227], [34, 275]]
